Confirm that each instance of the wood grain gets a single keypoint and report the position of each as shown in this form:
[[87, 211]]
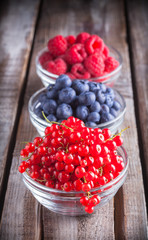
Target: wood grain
[[125, 216], [18, 19], [138, 34]]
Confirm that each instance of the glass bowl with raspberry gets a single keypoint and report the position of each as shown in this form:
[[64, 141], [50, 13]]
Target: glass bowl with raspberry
[[96, 104], [83, 56], [78, 176]]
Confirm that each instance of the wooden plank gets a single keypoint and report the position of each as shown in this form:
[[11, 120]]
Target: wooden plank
[[138, 33], [52, 224], [18, 19], [99, 18]]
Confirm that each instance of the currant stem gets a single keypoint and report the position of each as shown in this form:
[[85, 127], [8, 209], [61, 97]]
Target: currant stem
[[52, 122], [118, 134]]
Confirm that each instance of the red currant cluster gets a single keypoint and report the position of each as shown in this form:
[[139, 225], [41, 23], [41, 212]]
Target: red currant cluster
[[72, 157]]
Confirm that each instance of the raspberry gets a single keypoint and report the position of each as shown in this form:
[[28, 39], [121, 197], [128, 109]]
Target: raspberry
[[79, 71], [111, 64], [95, 65], [81, 38], [57, 45], [69, 74], [58, 66], [45, 57], [70, 40], [92, 43], [75, 54], [106, 51]]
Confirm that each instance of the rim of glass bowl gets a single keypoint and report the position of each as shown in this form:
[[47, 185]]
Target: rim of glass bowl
[[114, 181], [43, 122], [49, 74]]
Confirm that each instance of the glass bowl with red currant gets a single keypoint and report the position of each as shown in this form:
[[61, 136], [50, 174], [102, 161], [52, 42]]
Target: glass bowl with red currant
[[83, 56], [74, 170], [96, 104]]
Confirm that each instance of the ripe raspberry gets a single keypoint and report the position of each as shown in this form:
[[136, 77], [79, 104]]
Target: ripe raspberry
[[45, 57], [70, 40], [57, 45], [79, 71], [81, 38], [95, 65], [76, 54], [111, 64], [69, 74], [58, 66], [106, 51], [92, 43]]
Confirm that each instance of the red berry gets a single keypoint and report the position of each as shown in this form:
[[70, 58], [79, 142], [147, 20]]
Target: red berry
[[45, 57], [24, 153], [57, 45], [63, 177], [111, 64], [79, 71], [75, 54], [79, 172], [78, 185], [84, 200], [86, 187], [50, 184], [81, 38], [68, 158], [106, 133], [89, 209], [83, 150], [37, 141], [69, 168], [118, 140], [67, 186], [70, 40], [89, 176], [30, 147], [93, 43], [95, 65], [57, 66]]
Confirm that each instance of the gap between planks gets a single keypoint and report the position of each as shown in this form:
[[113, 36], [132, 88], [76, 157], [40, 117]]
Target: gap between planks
[[24, 77]]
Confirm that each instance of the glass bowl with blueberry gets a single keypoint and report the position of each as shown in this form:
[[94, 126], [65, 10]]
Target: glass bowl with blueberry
[[109, 78], [96, 104]]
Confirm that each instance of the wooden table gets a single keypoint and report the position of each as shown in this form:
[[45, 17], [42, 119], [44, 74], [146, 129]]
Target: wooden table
[[25, 27]]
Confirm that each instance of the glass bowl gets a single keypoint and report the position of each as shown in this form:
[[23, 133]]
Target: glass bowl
[[68, 203], [108, 79], [41, 124]]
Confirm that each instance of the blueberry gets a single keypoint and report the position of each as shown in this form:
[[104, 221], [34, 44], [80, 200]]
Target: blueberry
[[42, 98], [63, 81], [93, 86], [106, 117], [110, 91], [38, 112], [113, 112], [67, 95], [104, 108], [109, 101], [51, 117], [100, 96], [87, 98], [80, 86], [64, 111], [75, 102], [103, 87], [116, 105], [50, 106], [50, 86], [95, 107], [93, 117], [82, 112], [52, 93], [90, 124]]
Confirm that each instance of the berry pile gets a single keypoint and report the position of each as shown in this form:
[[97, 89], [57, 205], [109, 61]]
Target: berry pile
[[72, 157], [84, 56], [94, 103]]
